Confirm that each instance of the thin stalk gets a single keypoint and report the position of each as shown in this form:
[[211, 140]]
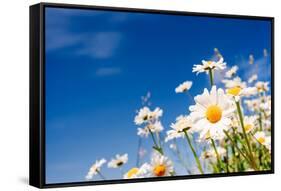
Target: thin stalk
[[179, 155], [100, 174], [194, 153], [236, 166], [138, 152], [239, 150], [191, 99], [264, 147], [217, 154], [235, 158], [159, 139], [260, 120], [244, 133], [211, 77], [153, 138], [156, 147], [260, 111], [227, 159]]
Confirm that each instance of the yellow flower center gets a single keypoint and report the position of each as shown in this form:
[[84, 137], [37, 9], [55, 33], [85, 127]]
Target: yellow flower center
[[132, 172], [213, 113], [259, 88], [209, 62], [159, 170], [234, 91], [261, 140], [248, 127]]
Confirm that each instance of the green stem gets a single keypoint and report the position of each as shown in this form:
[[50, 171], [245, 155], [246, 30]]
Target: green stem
[[138, 152], [236, 166], [235, 157], [260, 120], [156, 147], [194, 153], [179, 155], [191, 99], [227, 159], [238, 149], [217, 154], [159, 139], [153, 138], [264, 147], [211, 77], [260, 113], [245, 134]]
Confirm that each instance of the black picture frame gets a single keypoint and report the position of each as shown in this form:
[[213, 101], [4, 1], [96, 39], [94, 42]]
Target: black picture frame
[[37, 94]]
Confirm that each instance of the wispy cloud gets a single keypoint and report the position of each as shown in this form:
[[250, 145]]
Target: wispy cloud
[[261, 67], [57, 39], [95, 43], [107, 71], [101, 45]]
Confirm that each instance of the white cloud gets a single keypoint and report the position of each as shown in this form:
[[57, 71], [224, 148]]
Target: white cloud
[[96, 43], [107, 71], [57, 39], [261, 67], [101, 45]]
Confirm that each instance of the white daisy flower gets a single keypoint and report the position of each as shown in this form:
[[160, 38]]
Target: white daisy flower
[[212, 113], [235, 122], [135, 172], [217, 53], [156, 114], [160, 166], [237, 92], [253, 104], [155, 127], [118, 161], [235, 82], [250, 123], [265, 106], [251, 59], [230, 73], [211, 154], [145, 115], [263, 139], [221, 151], [249, 91], [265, 53], [266, 124], [183, 123], [209, 65], [262, 86], [185, 86], [142, 116], [95, 169], [205, 155], [143, 132], [253, 78]]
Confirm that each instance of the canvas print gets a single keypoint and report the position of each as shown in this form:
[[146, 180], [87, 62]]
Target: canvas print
[[132, 95]]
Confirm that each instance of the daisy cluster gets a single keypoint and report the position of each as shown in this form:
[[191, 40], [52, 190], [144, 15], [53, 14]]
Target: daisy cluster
[[227, 128]]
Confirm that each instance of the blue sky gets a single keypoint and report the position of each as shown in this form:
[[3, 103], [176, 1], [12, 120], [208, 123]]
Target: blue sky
[[99, 64]]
